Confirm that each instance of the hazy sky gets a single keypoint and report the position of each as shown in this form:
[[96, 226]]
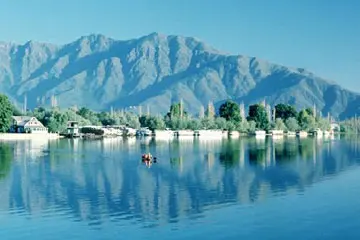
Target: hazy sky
[[322, 36]]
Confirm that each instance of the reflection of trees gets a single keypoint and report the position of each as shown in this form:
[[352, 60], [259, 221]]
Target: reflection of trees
[[175, 147], [306, 148], [176, 162], [282, 151], [6, 157], [286, 151], [258, 151], [230, 154], [257, 156], [107, 183]]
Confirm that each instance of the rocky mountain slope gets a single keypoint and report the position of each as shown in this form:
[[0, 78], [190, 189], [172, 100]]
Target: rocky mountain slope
[[156, 70]]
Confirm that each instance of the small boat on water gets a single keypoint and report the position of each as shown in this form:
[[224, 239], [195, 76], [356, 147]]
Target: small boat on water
[[148, 159]]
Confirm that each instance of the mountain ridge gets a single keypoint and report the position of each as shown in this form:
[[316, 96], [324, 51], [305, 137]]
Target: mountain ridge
[[156, 70]]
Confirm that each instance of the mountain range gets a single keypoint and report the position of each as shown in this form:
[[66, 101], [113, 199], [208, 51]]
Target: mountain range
[[156, 70]]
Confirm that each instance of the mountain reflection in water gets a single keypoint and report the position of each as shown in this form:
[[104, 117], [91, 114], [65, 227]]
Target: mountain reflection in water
[[99, 181]]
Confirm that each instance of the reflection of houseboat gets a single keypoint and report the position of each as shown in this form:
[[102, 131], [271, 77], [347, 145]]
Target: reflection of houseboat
[[277, 137], [209, 133], [185, 133], [225, 134], [328, 133], [291, 134], [276, 132], [234, 134], [167, 133], [259, 133]]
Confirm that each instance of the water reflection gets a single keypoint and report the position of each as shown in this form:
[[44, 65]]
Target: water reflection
[[98, 181], [5, 160]]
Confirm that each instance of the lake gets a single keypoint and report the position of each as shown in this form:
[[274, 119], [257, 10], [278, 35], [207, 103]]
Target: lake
[[212, 189]]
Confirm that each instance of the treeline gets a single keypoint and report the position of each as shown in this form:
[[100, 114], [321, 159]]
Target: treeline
[[230, 116], [351, 125]]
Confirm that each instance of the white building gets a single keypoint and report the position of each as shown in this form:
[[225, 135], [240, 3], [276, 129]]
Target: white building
[[26, 124]]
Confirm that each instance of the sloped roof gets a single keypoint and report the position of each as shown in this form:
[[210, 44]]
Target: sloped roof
[[23, 120]]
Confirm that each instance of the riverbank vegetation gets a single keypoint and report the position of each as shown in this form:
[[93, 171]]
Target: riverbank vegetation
[[229, 116]]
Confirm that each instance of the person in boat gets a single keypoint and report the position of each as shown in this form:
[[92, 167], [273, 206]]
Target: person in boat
[[147, 157]]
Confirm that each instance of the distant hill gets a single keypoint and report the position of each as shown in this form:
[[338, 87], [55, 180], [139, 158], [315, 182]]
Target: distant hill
[[156, 70]]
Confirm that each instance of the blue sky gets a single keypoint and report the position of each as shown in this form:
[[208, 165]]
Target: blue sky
[[322, 36]]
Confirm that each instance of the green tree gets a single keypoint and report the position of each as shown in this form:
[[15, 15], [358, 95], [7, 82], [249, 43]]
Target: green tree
[[285, 111], [251, 126], [292, 124], [243, 126], [210, 111], [258, 114], [229, 154], [39, 113], [194, 124], [56, 120], [89, 115], [152, 122], [310, 111], [71, 115], [221, 123], [129, 119], [279, 124], [177, 123], [230, 111], [16, 111], [351, 125], [344, 128], [106, 119], [176, 111], [323, 124], [231, 126], [207, 123], [6, 111], [306, 121]]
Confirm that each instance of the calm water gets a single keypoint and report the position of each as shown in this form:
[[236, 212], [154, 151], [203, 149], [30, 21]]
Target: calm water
[[250, 188]]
